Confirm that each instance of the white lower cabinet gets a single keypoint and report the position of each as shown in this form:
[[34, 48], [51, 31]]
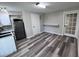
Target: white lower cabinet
[[7, 45]]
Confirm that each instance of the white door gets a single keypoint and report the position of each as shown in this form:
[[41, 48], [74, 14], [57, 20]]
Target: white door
[[70, 24], [35, 18]]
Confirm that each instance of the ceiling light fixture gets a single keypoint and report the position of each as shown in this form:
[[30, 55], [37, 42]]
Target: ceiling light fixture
[[40, 5]]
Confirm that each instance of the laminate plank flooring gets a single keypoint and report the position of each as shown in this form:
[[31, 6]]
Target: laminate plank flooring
[[47, 45]]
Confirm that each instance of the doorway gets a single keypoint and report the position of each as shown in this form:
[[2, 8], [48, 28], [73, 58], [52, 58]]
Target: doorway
[[70, 24]]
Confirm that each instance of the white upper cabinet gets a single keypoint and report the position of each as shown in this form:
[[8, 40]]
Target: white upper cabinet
[[4, 18]]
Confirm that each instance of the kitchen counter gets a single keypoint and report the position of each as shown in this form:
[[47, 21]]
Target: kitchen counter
[[6, 32]]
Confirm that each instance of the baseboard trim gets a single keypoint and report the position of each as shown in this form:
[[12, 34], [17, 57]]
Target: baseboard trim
[[33, 35], [54, 33]]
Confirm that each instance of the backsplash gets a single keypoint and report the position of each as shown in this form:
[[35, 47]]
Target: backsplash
[[4, 28], [7, 27]]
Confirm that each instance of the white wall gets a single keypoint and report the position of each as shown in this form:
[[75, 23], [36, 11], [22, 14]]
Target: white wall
[[54, 18], [27, 23]]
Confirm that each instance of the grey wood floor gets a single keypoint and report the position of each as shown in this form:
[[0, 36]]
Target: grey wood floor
[[47, 45]]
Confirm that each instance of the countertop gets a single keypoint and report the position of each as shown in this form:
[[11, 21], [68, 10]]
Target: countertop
[[8, 30]]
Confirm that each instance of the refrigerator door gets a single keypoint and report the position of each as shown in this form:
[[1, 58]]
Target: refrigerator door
[[19, 30]]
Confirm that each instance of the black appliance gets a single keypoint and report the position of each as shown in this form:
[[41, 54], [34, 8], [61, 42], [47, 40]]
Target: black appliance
[[19, 29]]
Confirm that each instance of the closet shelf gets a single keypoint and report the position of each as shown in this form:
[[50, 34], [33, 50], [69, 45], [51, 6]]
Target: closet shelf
[[53, 25]]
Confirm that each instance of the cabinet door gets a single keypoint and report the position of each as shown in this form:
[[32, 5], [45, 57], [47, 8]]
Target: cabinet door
[[35, 23], [4, 18], [7, 46]]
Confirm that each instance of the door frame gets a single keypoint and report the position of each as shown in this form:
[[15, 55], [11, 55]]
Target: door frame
[[64, 15]]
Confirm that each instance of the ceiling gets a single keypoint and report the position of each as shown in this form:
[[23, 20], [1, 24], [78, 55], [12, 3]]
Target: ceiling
[[51, 6]]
